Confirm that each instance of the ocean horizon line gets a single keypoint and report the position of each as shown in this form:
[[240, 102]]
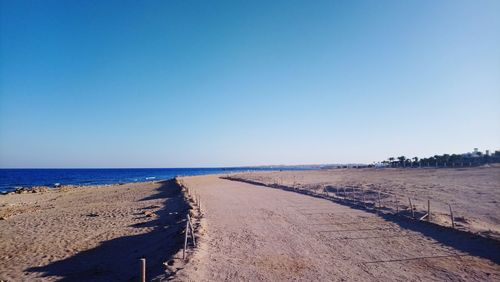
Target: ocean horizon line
[[13, 178]]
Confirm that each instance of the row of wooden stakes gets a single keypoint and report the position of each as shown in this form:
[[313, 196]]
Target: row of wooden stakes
[[412, 207], [188, 233]]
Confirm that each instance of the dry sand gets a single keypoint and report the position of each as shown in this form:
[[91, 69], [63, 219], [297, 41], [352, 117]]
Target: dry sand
[[250, 232], [474, 193], [95, 233], [255, 233]]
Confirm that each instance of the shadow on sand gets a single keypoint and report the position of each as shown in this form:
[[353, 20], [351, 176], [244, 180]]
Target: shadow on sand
[[118, 259], [466, 242]]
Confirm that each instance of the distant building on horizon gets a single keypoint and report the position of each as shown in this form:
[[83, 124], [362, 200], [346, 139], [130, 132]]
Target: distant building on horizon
[[475, 154]]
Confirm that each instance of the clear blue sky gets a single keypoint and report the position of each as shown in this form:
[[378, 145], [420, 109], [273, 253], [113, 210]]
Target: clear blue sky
[[223, 83]]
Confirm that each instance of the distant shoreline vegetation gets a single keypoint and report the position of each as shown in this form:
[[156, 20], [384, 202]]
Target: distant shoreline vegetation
[[470, 159], [474, 158]]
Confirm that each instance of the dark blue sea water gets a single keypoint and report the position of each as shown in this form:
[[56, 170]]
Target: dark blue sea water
[[13, 178]]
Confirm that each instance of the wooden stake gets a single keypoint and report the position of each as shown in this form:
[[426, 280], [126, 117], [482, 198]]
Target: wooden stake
[[452, 218], [192, 230], [411, 208], [428, 210], [397, 204], [185, 241], [363, 196], [143, 270]]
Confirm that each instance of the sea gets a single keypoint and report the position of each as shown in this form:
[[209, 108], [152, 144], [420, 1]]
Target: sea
[[10, 179]]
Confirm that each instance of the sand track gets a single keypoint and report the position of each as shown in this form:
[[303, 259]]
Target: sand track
[[257, 233], [473, 192]]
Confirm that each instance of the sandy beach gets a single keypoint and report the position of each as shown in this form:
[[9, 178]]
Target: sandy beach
[[253, 232], [249, 141], [473, 193], [256, 233], [93, 233]]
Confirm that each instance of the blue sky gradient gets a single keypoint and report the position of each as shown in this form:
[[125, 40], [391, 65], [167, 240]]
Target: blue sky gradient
[[227, 83]]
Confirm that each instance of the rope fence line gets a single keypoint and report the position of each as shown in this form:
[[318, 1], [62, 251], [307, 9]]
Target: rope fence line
[[194, 201], [417, 208], [375, 200], [189, 232], [380, 201]]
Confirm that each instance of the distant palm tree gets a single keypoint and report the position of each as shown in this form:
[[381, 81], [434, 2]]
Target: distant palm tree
[[391, 161], [402, 160]]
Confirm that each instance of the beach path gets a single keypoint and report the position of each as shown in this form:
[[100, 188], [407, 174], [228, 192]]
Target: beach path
[[257, 233]]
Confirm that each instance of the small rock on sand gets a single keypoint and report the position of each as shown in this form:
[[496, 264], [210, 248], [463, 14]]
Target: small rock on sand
[[149, 214]]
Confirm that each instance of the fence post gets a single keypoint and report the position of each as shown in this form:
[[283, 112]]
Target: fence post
[[452, 219], [428, 210], [185, 240], [397, 204], [363, 197], [192, 230], [143, 270], [411, 208]]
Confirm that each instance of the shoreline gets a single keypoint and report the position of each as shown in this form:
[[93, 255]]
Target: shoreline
[[12, 179], [45, 188], [8, 190]]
